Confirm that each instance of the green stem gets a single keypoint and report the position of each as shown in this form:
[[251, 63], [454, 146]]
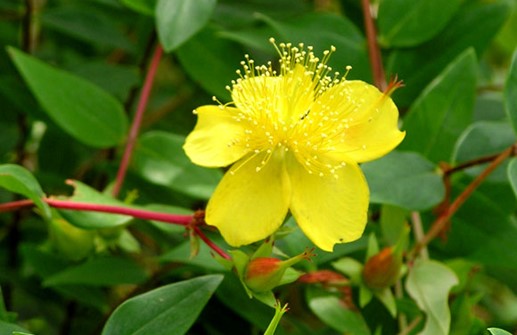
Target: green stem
[[279, 312]]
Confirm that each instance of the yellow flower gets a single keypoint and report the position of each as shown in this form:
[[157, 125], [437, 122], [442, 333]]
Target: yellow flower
[[294, 138]]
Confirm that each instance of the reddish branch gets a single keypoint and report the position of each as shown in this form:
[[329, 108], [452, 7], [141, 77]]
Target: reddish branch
[[189, 221], [137, 121], [444, 218], [374, 51]]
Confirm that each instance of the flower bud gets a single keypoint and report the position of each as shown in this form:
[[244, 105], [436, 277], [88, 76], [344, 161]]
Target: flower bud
[[382, 270], [265, 273]]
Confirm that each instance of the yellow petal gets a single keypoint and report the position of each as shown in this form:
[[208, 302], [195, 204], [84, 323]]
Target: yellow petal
[[271, 99], [249, 205], [216, 139], [329, 209], [369, 119]]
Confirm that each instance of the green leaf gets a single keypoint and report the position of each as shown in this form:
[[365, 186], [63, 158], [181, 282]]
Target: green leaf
[[211, 61], [145, 7], [331, 310], [510, 92], [405, 23], [498, 331], [482, 139], [159, 158], [443, 110], [473, 26], [93, 220], [179, 20], [10, 328], [339, 32], [19, 180], [80, 108], [104, 271], [512, 174], [171, 309], [429, 283], [404, 179]]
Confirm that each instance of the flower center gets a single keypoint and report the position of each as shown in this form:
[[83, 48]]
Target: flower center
[[281, 112]]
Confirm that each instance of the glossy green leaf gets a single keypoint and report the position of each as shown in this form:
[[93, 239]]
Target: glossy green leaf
[[498, 331], [104, 271], [93, 220], [473, 26], [404, 179], [159, 158], [482, 139], [331, 310], [19, 180], [404, 23], [443, 110], [145, 7], [339, 31], [211, 61], [179, 20], [170, 309], [510, 92], [80, 108], [429, 283]]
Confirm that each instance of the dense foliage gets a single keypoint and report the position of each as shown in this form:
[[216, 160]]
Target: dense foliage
[[101, 212]]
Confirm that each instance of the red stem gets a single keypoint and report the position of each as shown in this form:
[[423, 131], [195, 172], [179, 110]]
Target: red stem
[[183, 220], [211, 244], [373, 48], [137, 121]]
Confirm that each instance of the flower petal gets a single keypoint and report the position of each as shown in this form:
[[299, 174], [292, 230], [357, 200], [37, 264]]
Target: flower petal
[[249, 205], [368, 119], [329, 209], [215, 140]]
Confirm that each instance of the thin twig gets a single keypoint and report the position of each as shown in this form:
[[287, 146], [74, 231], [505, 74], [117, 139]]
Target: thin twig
[[469, 164], [374, 51], [137, 121], [441, 222], [211, 244], [418, 231]]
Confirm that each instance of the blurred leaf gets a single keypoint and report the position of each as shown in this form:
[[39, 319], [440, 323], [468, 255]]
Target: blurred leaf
[[443, 110], [404, 179], [404, 23], [179, 20], [170, 309], [498, 331], [19, 180], [474, 25], [429, 283], [145, 7], [93, 220], [11, 328], [393, 223], [331, 311], [117, 80], [339, 32], [159, 158], [510, 92], [104, 271], [512, 174], [80, 108], [482, 139], [86, 23], [211, 61], [181, 254]]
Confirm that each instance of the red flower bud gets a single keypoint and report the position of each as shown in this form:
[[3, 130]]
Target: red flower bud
[[382, 270], [265, 273]]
